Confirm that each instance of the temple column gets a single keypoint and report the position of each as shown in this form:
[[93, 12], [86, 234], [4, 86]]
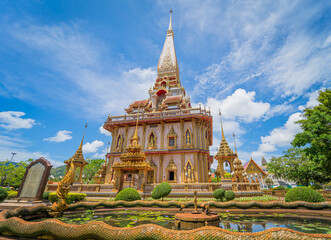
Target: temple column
[[143, 140], [126, 138], [162, 135], [113, 139], [80, 173], [194, 139], [196, 168], [108, 171], [161, 169], [182, 168], [182, 134], [200, 135], [206, 168]]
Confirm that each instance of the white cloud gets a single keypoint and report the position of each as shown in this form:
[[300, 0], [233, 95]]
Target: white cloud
[[92, 147], [312, 102], [282, 136], [240, 105], [104, 131], [61, 136], [11, 120]]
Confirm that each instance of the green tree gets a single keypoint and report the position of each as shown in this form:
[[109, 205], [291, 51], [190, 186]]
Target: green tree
[[269, 182], [11, 174], [315, 140], [294, 165], [91, 169]]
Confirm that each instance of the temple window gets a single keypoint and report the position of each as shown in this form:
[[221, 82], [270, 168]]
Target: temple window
[[171, 170], [163, 84], [171, 175], [119, 142], [188, 138], [152, 141], [172, 138], [172, 141], [188, 171]]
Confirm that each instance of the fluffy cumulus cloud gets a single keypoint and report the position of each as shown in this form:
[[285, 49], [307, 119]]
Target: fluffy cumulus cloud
[[92, 147], [240, 105], [61, 136], [12, 120], [282, 136]]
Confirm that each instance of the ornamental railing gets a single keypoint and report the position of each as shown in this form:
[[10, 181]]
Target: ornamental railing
[[160, 114]]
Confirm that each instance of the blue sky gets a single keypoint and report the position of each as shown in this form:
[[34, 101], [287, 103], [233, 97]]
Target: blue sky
[[63, 63]]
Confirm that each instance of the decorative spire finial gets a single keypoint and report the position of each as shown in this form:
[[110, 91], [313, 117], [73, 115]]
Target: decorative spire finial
[[81, 143], [170, 23], [135, 135], [235, 147], [221, 124]]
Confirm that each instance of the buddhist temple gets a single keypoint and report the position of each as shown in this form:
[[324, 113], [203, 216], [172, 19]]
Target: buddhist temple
[[173, 136]]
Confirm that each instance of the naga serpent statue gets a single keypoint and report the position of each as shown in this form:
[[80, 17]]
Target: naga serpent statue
[[62, 191]]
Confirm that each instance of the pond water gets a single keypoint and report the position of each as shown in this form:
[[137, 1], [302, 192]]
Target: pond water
[[232, 222]]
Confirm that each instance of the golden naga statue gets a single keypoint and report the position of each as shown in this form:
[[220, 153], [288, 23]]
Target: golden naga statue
[[62, 191]]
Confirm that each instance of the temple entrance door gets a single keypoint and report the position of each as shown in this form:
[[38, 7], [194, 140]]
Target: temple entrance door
[[150, 176]]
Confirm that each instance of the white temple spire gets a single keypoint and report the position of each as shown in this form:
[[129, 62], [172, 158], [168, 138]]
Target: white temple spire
[[170, 23]]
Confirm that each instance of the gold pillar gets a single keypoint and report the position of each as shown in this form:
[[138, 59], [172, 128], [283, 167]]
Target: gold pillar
[[206, 167], [182, 166], [182, 134], [126, 138], [162, 135], [195, 159], [143, 140], [200, 135], [113, 139], [161, 168]]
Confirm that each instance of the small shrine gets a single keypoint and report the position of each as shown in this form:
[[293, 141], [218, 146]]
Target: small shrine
[[132, 162], [224, 155], [78, 160]]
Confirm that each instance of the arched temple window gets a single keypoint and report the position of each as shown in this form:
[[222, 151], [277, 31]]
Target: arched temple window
[[188, 138], [152, 141], [119, 142], [189, 171]]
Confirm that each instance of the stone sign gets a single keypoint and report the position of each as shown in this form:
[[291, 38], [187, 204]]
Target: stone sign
[[35, 180]]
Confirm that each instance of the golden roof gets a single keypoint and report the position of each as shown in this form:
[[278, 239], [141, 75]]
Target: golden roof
[[78, 157], [224, 149], [134, 158]]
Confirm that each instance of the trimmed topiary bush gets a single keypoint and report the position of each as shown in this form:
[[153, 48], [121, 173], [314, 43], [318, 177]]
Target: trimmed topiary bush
[[128, 194], [3, 194], [71, 197], [229, 195], [303, 194], [161, 191], [219, 194], [281, 188]]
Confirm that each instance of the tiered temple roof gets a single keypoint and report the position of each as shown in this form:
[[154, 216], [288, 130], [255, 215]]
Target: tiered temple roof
[[167, 92]]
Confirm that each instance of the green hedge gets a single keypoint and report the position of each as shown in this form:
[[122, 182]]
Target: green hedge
[[128, 194], [3, 194], [281, 188], [303, 194], [71, 197], [229, 195], [45, 195], [12, 194], [219, 194], [161, 191]]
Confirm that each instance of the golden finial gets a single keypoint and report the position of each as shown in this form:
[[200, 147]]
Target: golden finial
[[170, 23], [135, 135], [81, 143], [223, 138], [234, 139]]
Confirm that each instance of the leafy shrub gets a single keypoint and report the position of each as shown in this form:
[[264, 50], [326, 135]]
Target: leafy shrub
[[303, 194], [12, 194], [219, 194], [161, 191], [316, 186], [280, 188], [71, 197], [229, 195], [128, 194], [45, 195], [3, 194]]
